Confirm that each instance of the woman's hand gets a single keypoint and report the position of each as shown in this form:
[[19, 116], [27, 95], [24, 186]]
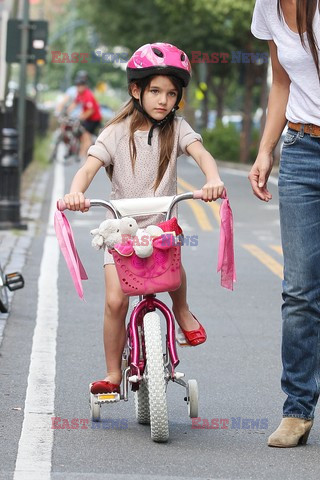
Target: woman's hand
[[259, 175], [75, 201], [212, 190]]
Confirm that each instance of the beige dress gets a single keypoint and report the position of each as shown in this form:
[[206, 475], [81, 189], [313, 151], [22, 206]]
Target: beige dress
[[112, 147]]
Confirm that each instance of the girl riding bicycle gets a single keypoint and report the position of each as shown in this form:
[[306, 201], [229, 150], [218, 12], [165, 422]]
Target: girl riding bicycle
[[139, 149]]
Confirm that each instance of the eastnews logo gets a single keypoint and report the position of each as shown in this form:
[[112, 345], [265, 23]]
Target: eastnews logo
[[98, 56], [167, 240], [58, 423], [235, 423]]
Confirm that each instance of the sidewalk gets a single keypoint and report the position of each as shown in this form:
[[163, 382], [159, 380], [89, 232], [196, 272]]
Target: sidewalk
[[15, 244]]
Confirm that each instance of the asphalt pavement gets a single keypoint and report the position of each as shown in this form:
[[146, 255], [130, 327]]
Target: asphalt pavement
[[52, 348]]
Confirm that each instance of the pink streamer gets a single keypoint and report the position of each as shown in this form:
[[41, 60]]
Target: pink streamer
[[66, 241], [226, 262]]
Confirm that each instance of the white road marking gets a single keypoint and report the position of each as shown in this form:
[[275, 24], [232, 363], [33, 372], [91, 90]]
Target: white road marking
[[234, 171], [242, 173], [35, 446]]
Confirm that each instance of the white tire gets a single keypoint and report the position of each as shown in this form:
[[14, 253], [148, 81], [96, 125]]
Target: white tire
[[95, 409], [141, 401], [156, 378], [193, 404], [4, 302]]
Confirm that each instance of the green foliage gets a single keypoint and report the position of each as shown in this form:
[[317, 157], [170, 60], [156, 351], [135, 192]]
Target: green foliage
[[254, 147], [223, 142], [206, 26], [41, 149]]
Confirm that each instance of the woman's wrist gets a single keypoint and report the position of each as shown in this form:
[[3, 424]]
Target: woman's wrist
[[266, 151]]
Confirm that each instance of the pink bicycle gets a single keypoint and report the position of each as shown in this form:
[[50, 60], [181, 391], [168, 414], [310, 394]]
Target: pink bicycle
[[148, 362]]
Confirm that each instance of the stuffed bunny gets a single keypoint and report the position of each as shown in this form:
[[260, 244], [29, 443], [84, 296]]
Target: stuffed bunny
[[143, 242], [113, 231], [128, 228], [107, 234]]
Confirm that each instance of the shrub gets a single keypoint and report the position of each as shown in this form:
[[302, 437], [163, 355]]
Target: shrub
[[223, 142]]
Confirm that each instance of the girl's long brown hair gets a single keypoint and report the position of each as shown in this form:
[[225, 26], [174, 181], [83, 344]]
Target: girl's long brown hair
[[137, 120], [306, 10]]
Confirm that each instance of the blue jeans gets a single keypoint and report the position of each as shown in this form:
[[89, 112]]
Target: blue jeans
[[299, 197]]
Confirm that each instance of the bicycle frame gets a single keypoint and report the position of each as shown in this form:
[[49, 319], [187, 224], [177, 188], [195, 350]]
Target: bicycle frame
[[135, 351], [149, 304]]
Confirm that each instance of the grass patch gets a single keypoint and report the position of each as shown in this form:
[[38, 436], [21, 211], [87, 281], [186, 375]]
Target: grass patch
[[40, 161], [41, 150]]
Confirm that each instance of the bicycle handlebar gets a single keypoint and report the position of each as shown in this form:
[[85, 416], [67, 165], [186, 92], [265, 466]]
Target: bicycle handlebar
[[126, 207], [61, 205]]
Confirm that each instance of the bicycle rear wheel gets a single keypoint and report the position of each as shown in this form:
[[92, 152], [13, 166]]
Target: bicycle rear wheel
[[156, 378], [141, 400], [4, 302]]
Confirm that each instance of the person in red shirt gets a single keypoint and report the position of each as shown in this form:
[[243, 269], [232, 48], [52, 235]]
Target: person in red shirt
[[90, 116]]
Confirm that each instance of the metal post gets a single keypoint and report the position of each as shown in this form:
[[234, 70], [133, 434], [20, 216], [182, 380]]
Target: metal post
[[9, 180], [69, 66], [25, 28]]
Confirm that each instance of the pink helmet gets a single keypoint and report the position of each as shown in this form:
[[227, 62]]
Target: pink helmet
[[159, 59]]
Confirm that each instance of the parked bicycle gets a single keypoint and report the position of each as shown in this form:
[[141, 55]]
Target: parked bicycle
[[11, 281], [147, 366]]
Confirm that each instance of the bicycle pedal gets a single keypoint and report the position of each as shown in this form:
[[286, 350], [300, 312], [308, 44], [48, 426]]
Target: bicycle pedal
[[101, 398], [178, 375], [14, 281], [181, 339]]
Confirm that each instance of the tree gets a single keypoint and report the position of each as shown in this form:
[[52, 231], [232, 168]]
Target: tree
[[201, 28]]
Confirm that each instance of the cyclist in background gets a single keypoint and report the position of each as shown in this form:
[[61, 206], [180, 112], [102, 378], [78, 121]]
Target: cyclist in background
[[90, 116]]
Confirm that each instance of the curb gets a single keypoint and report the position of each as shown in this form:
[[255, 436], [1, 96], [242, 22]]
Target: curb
[[15, 244]]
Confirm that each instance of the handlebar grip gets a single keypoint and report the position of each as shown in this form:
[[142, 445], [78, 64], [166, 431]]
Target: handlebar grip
[[197, 194], [62, 206]]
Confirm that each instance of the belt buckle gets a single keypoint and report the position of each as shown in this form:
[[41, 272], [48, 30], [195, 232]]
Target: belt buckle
[[313, 135]]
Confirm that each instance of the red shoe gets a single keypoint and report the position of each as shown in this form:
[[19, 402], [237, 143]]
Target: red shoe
[[102, 386], [195, 337]]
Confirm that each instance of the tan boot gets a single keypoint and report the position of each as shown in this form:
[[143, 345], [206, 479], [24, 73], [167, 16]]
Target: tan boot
[[291, 432]]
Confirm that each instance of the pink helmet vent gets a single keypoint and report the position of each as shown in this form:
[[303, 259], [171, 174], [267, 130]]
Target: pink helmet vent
[[159, 59]]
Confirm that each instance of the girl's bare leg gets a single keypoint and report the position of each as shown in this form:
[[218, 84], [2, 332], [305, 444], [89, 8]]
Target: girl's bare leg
[[85, 144], [180, 306], [114, 331]]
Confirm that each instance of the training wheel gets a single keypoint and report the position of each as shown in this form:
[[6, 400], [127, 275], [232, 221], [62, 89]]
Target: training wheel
[[193, 402], [95, 413]]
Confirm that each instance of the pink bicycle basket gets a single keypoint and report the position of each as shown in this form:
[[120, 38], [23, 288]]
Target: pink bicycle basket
[[143, 276]]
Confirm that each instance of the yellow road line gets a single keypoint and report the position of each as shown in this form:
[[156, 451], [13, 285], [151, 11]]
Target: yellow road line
[[277, 248], [212, 205], [266, 259], [200, 214]]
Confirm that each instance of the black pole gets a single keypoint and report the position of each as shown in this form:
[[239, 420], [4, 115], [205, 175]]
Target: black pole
[[11, 147], [25, 27]]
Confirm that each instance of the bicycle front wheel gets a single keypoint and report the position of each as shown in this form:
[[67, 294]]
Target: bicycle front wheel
[[4, 302], [156, 378]]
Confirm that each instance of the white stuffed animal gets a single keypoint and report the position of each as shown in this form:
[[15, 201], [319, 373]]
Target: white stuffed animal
[[128, 228], [142, 244], [113, 231], [107, 234]]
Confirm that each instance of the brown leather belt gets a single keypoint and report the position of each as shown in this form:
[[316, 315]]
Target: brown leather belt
[[313, 130]]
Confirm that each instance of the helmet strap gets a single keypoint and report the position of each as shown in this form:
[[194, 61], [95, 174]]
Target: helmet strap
[[155, 123]]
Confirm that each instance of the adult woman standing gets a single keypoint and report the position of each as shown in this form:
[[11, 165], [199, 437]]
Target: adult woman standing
[[292, 28]]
